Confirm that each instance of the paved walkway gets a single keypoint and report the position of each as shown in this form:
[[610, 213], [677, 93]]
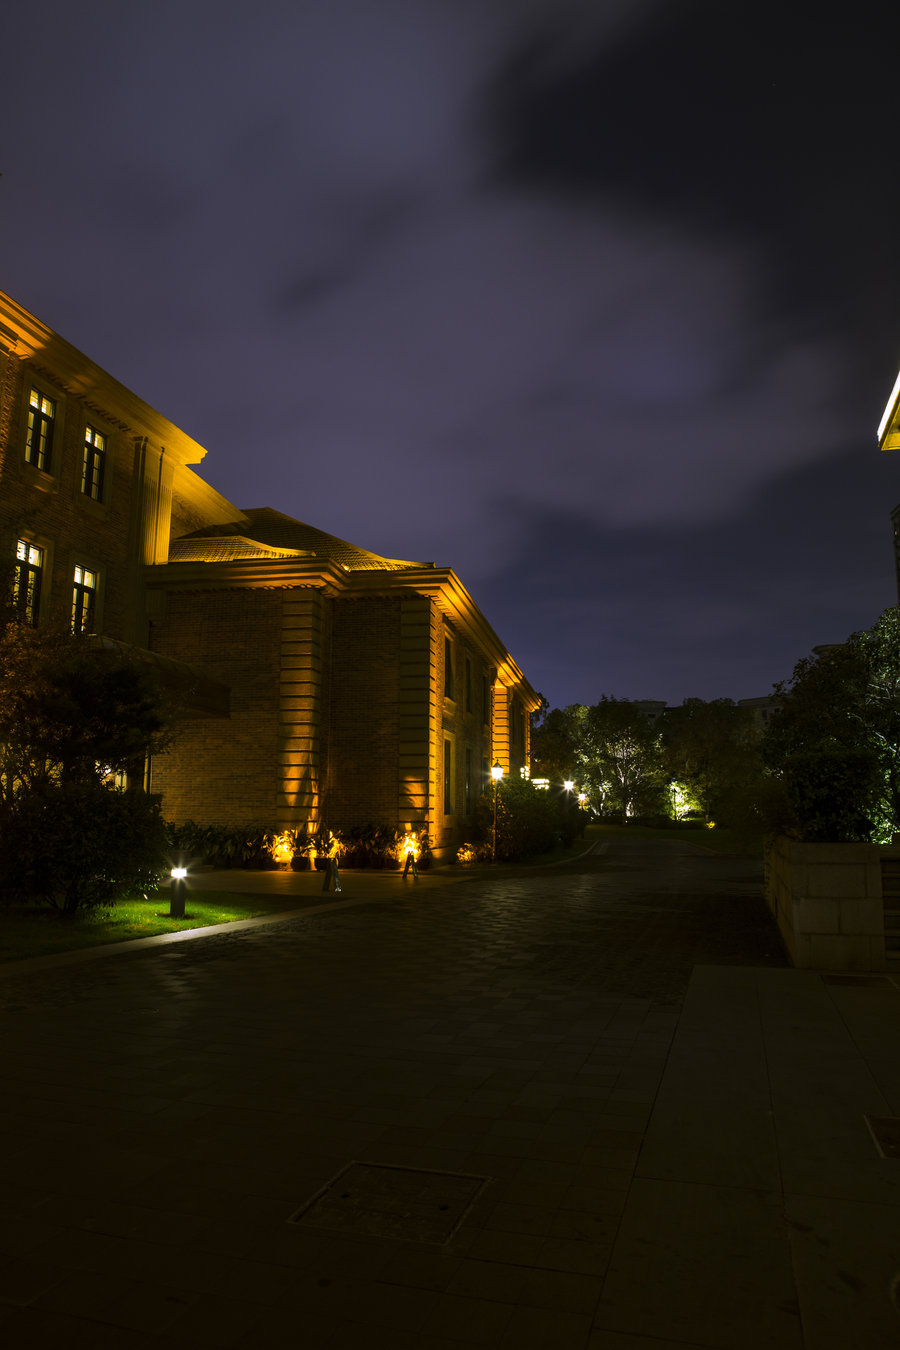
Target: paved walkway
[[586, 1109]]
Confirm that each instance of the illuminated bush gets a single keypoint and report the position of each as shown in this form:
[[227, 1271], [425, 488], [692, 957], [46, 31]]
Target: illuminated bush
[[528, 820]]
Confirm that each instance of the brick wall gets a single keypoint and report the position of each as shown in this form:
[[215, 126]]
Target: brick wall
[[225, 771], [364, 723], [50, 509]]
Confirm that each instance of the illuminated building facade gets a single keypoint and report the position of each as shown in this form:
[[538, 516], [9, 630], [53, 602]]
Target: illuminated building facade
[[319, 684], [889, 439]]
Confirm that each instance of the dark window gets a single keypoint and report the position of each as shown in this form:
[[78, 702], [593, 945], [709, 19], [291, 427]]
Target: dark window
[[84, 595], [468, 685], [94, 464], [448, 778], [27, 581], [468, 781], [449, 691], [485, 701], [39, 437]]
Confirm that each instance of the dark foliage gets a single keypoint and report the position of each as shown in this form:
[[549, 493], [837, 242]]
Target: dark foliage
[[528, 819], [72, 717], [834, 745], [79, 844]]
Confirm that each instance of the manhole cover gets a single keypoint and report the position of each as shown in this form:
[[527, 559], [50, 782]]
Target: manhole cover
[[886, 1133], [403, 1203]]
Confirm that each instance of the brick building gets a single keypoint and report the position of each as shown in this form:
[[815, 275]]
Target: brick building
[[319, 683]]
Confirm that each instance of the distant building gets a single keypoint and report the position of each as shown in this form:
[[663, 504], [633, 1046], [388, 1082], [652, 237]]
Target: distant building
[[762, 709], [651, 708], [319, 684]]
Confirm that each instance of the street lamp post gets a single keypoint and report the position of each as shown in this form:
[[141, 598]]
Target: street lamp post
[[496, 775]]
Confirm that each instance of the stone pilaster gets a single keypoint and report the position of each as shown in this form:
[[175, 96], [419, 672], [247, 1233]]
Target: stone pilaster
[[419, 721], [500, 698], [300, 710]]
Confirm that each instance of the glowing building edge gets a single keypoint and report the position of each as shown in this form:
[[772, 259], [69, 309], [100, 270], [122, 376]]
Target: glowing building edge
[[888, 430]]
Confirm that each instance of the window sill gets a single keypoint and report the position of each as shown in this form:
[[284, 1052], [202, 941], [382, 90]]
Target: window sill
[[39, 478]]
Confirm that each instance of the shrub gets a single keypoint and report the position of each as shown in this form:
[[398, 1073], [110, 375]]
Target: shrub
[[80, 845], [828, 795], [224, 846], [528, 819]]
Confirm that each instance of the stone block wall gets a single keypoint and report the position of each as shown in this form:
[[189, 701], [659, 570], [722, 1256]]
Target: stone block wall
[[827, 902]]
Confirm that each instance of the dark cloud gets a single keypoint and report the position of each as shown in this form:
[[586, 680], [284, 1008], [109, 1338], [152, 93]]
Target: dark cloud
[[572, 297], [763, 121]]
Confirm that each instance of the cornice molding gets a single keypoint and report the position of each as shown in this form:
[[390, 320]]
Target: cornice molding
[[80, 377], [246, 574], [440, 584]]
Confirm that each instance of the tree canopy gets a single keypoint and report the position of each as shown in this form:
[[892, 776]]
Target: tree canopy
[[72, 717], [834, 744], [70, 712], [713, 747], [620, 757]]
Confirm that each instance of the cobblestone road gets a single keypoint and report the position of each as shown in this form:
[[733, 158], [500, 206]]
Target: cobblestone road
[[633, 919], [171, 1108]]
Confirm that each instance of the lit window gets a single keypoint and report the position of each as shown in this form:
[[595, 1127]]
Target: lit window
[[39, 436], [94, 464], [84, 595], [27, 581]]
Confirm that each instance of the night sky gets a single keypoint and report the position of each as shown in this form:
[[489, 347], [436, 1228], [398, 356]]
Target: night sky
[[594, 301]]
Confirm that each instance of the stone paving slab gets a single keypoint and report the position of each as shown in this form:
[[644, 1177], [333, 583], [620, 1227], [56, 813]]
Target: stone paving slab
[[761, 1212], [172, 1107]]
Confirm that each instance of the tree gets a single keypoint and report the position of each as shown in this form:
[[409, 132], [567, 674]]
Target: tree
[[834, 744], [72, 717], [712, 748], [621, 758], [71, 712], [554, 740]]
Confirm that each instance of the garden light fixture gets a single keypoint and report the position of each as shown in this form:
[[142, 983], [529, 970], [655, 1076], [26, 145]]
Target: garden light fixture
[[176, 905]]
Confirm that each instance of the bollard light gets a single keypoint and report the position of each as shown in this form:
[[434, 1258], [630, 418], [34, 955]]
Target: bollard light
[[176, 904]]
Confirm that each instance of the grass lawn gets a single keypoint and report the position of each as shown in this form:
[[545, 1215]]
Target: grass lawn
[[28, 932], [735, 843]]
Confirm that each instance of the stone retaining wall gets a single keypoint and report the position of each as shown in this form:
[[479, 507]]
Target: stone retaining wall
[[827, 902]]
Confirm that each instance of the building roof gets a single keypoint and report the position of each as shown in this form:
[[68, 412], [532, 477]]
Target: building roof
[[265, 533]]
